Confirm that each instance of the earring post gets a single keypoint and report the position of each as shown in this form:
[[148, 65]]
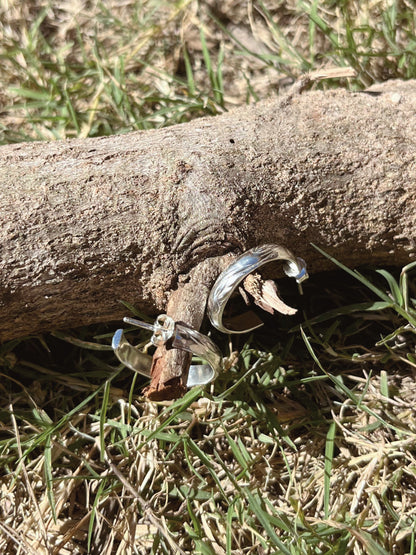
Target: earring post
[[139, 323]]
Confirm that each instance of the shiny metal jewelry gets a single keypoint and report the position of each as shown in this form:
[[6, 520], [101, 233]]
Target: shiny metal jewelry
[[182, 337], [244, 265]]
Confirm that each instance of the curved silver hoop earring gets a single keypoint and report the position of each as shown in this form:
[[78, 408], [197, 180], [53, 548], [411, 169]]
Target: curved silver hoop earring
[[234, 275]]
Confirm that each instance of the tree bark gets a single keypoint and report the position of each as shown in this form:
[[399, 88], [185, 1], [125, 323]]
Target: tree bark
[[87, 223]]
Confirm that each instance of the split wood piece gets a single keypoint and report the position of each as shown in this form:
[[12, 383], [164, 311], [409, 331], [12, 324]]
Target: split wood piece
[[186, 305], [265, 295], [168, 374]]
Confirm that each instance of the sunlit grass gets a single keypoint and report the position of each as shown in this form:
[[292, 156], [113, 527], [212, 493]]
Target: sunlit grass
[[306, 444], [152, 63]]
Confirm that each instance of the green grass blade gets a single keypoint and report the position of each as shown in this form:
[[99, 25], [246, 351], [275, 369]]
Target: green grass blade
[[194, 519], [240, 456], [43, 96], [329, 456], [383, 296], [375, 306], [207, 57], [369, 285], [103, 418], [290, 54], [338, 382], [131, 394], [219, 80], [175, 409], [371, 546], [264, 518], [208, 463], [244, 49], [413, 538], [384, 384], [404, 283], [394, 286], [189, 73], [229, 529], [43, 436], [203, 548], [98, 498], [49, 475], [319, 22]]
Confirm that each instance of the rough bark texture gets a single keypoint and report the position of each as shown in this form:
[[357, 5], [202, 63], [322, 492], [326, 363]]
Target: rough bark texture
[[86, 223]]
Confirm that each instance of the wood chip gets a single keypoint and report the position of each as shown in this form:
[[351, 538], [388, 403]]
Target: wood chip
[[265, 295]]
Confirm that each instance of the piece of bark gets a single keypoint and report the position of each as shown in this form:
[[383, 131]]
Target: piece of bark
[[165, 383], [87, 223], [265, 295]]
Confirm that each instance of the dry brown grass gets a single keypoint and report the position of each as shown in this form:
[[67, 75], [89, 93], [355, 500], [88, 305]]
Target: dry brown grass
[[276, 452], [91, 68], [148, 489]]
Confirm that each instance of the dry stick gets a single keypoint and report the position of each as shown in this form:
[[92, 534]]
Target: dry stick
[[187, 304], [305, 81], [71, 533], [89, 222]]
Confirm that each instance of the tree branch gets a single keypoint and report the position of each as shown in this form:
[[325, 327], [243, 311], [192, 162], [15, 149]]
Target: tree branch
[[87, 223]]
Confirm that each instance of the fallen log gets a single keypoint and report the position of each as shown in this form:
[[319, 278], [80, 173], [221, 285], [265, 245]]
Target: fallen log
[[87, 223]]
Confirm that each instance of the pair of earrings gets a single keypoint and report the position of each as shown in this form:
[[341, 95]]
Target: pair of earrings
[[240, 274]]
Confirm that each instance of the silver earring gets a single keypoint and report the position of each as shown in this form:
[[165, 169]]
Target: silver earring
[[182, 337]]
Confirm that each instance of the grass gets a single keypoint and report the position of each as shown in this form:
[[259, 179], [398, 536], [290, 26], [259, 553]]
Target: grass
[[307, 443], [150, 63]]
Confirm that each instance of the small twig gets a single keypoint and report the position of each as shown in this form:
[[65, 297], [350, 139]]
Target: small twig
[[332, 73], [305, 81], [71, 532]]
